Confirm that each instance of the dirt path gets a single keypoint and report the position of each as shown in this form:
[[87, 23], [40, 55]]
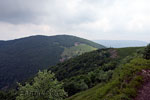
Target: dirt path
[[144, 91]]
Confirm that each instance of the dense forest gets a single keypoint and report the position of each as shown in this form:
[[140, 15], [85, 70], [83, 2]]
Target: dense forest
[[111, 74], [22, 58]]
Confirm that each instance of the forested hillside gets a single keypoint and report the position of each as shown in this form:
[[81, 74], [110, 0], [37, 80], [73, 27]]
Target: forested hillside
[[129, 81], [89, 69], [23, 58]]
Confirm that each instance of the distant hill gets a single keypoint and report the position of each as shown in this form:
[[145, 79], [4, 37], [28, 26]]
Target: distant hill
[[121, 43], [22, 58]]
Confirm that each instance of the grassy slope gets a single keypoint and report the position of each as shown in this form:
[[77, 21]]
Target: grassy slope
[[90, 94], [77, 50], [94, 93]]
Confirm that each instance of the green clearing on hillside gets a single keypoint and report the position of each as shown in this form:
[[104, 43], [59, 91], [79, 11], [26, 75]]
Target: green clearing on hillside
[[76, 50]]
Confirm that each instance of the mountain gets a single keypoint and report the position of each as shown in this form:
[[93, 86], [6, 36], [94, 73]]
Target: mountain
[[121, 43], [103, 74], [22, 58]]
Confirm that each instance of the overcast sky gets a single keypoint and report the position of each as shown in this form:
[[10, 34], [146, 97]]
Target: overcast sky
[[91, 19]]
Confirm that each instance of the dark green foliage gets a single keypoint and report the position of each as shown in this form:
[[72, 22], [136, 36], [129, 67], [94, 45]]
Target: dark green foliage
[[22, 58], [85, 71], [124, 52], [81, 64], [146, 54], [43, 87], [84, 82], [8, 95]]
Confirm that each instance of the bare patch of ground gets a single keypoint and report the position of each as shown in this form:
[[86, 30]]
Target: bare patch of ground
[[144, 90], [113, 53]]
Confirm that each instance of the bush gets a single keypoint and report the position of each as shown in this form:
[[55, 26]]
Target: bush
[[146, 54], [43, 87]]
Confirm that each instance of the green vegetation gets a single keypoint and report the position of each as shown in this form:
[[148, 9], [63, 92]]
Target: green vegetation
[[81, 64], [21, 59], [124, 52], [8, 95], [123, 84], [76, 50], [43, 87], [85, 71], [147, 52]]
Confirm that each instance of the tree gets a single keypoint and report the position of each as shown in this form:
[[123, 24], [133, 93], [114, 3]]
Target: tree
[[44, 87], [146, 54]]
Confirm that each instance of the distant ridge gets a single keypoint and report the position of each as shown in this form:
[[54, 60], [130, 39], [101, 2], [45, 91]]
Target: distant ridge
[[121, 43]]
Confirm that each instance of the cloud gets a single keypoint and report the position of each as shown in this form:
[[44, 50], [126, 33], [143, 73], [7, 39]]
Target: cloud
[[15, 31], [92, 19]]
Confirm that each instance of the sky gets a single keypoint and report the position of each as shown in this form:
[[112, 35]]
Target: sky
[[90, 19]]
